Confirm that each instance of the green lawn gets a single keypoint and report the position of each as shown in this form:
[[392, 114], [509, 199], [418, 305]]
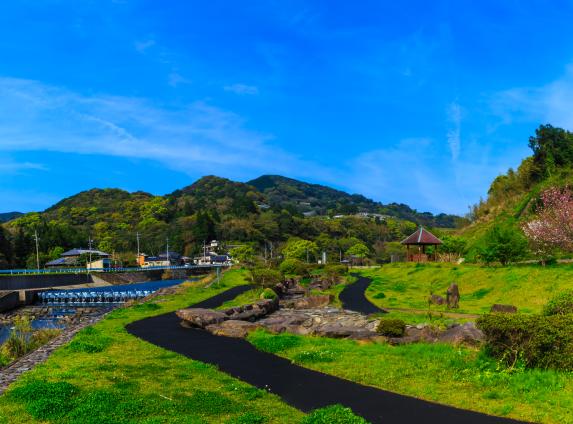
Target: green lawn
[[105, 375], [442, 373], [408, 285]]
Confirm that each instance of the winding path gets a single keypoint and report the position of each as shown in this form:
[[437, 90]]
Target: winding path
[[300, 387], [354, 299]]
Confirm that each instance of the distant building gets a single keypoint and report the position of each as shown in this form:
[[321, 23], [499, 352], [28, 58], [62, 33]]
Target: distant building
[[161, 260], [71, 259]]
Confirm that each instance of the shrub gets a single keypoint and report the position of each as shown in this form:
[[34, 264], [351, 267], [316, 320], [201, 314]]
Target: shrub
[[537, 340], [293, 266], [391, 327], [560, 305], [335, 414], [268, 294], [266, 277], [335, 271], [380, 295]]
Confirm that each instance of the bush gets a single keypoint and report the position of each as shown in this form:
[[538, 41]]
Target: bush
[[561, 304], [268, 294], [536, 340], [293, 266], [391, 327], [266, 277], [334, 272], [335, 414]]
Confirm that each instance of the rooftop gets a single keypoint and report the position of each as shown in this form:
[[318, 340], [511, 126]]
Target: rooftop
[[420, 237]]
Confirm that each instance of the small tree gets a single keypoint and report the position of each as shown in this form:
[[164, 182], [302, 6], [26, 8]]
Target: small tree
[[293, 267], [359, 251], [503, 243], [300, 249], [553, 227], [266, 277], [243, 254]]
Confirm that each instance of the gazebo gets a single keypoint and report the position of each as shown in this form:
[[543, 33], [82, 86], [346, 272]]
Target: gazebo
[[421, 238]]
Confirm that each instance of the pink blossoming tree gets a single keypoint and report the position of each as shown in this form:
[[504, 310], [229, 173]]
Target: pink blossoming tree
[[553, 227]]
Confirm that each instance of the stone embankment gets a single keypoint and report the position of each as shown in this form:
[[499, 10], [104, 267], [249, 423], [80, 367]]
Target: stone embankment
[[10, 373]]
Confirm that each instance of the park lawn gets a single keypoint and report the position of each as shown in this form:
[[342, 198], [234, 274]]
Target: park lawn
[[408, 285], [456, 376], [106, 375]]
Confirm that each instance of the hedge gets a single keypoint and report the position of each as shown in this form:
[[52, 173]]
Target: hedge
[[537, 340]]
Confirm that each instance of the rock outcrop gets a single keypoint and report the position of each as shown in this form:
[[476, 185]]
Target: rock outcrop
[[507, 309]]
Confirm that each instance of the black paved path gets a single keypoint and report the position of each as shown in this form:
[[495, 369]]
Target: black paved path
[[300, 387], [353, 298]]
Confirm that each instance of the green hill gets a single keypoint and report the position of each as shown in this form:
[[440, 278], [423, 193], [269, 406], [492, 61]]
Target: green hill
[[513, 197], [269, 209], [8, 216], [321, 200]]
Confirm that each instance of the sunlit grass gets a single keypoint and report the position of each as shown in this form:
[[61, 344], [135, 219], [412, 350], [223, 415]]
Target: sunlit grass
[[106, 375], [441, 373], [528, 287]]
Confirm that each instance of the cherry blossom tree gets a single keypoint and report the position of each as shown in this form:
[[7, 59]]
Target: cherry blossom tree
[[553, 227]]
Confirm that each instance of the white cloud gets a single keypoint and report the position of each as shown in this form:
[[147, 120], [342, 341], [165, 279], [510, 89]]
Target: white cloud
[[10, 167], [454, 115], [549, 103], [195, 138], [175, 78], [242, 89], [144, 45]]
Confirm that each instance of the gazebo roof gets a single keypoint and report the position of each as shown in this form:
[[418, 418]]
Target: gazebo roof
[[421, 237]]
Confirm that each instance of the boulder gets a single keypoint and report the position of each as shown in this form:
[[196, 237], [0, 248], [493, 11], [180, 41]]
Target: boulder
[[507, 309], [453, 296], [338, 332], [466, 333], [310, 302], [201, 318], [436, 300], [232, 328]]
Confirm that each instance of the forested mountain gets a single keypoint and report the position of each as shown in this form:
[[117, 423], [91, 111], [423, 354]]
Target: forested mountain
[[321, 200], [7, 216], [265, 211]]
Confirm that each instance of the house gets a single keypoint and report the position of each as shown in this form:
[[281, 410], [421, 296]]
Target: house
[[161, 260], [73, 259]]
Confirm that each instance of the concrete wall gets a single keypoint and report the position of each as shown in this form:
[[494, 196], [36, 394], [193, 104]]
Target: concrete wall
[[9, 300], [21, 282]]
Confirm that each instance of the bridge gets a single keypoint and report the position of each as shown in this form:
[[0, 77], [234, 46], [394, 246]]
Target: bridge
[[107, 270]]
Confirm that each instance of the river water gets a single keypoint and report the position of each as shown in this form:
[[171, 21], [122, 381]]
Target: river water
[[58, 313]]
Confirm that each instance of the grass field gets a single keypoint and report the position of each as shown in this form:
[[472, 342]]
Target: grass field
[[408, 285], [460, 377], [106, 375]]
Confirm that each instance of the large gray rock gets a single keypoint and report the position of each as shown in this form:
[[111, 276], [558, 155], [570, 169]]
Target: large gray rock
[[199, 317], [232, 328], [253, 311], [436, 300], [453, 296], [338, 332], [466, 333], [507, 309], [310, 302]]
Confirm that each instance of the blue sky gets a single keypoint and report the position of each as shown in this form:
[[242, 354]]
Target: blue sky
[[416, 102]]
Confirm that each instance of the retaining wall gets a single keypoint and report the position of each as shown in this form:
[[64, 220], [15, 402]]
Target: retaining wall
[[23, 282], [9, 300]]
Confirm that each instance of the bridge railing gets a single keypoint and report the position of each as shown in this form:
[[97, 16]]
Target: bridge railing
[[87, 271]]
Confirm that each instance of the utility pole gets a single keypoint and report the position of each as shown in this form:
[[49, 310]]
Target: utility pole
[[90, 241], [307, 256], [168, 251], [37, 250], [137, 236]]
